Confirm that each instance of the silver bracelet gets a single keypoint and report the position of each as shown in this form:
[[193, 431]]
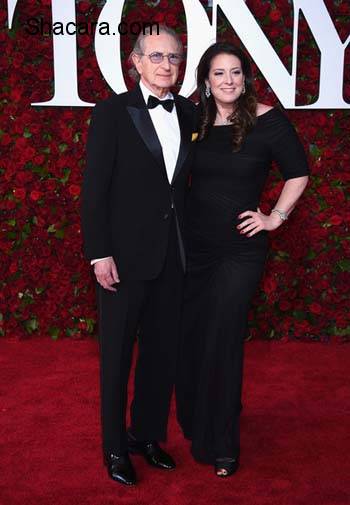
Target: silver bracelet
[[283, 215]]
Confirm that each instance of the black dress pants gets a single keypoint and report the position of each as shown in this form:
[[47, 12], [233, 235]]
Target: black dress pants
[[150, 309]]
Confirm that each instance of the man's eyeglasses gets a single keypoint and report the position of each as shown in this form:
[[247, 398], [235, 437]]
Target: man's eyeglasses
[[173, 58]]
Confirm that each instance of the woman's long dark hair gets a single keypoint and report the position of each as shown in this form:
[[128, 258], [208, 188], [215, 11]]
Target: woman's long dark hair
[[244, 116]]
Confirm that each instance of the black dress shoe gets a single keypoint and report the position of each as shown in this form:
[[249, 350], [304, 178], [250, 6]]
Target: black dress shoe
[[224, 467], [120, 468], [153, 454]]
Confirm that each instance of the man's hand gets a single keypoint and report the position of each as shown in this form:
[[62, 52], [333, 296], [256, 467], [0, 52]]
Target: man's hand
[[106, 273]]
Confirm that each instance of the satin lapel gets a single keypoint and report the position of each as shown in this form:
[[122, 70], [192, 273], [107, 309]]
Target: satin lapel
[[144, 125], [185, 129]]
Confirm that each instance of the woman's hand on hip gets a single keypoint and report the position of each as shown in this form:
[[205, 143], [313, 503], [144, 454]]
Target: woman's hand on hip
[[257, 221]]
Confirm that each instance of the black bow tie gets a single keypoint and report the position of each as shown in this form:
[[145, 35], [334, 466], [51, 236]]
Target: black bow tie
[[153, 102]]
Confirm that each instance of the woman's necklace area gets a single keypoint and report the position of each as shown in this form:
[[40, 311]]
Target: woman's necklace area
[[219, 121]]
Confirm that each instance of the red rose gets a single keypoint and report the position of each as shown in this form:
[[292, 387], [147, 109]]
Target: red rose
[[159, 17], [260, 8], [13, 267], [45, 74], [323, 190], [314, 73], [88, 73], [66, 134], [315, 308], [19, 193], [321, 118], [35, 128], [9, 205], [284, 305], [274, 33], [171, 20], [269, 285], [68, 115], [29, 153], [344, 9], [275, 15], [6, 139], [340, 319], [288, 22], [17, 60], [322, 283], [50, 184], [23, 177], [74, 189], [84, 40], [83, 6], [336, 220], [301, 327], [16, 94], [286, 51], [35, 195], [328, 152]]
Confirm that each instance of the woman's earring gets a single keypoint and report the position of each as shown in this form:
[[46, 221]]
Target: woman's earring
[[207, 91], [243, 89]]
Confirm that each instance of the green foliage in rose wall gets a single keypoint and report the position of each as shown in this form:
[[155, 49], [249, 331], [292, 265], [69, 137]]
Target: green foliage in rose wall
[[47, 288]]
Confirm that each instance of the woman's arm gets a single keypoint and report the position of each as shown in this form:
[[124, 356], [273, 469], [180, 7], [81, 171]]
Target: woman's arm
[[291, 192], [257, 221]]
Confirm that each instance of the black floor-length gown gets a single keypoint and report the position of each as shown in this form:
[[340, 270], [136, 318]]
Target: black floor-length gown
[[224, 268]]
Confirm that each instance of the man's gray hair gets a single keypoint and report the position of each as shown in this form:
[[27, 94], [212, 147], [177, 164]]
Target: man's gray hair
[[152, 29]]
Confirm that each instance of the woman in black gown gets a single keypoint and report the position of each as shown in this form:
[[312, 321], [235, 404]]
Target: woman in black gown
[[227, 245]]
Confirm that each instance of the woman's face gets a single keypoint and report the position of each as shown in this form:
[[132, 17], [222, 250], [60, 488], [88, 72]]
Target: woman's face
[[226, 78]]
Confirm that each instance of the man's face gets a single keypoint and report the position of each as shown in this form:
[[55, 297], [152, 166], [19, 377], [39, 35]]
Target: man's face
[[158, 77]]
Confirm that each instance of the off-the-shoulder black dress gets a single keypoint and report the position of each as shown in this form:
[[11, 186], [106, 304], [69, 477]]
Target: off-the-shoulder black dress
[[224, 268]]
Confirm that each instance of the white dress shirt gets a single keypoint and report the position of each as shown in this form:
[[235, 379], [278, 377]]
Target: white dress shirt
[[167, 128]]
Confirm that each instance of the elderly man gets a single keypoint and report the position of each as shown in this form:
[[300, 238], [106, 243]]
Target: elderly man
[[139, 154]]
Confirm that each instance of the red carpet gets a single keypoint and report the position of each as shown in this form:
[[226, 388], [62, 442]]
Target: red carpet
[[295, 431]]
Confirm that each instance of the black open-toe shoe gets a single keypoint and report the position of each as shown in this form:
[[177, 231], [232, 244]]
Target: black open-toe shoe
[[224, 467]]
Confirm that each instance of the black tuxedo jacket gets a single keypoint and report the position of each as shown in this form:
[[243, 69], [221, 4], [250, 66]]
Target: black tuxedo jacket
[[127, 201]]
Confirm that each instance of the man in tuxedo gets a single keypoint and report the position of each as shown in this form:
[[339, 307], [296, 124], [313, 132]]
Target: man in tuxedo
[[139, 154]]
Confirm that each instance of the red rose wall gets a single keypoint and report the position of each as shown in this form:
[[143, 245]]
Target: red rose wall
[[47, 287]]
